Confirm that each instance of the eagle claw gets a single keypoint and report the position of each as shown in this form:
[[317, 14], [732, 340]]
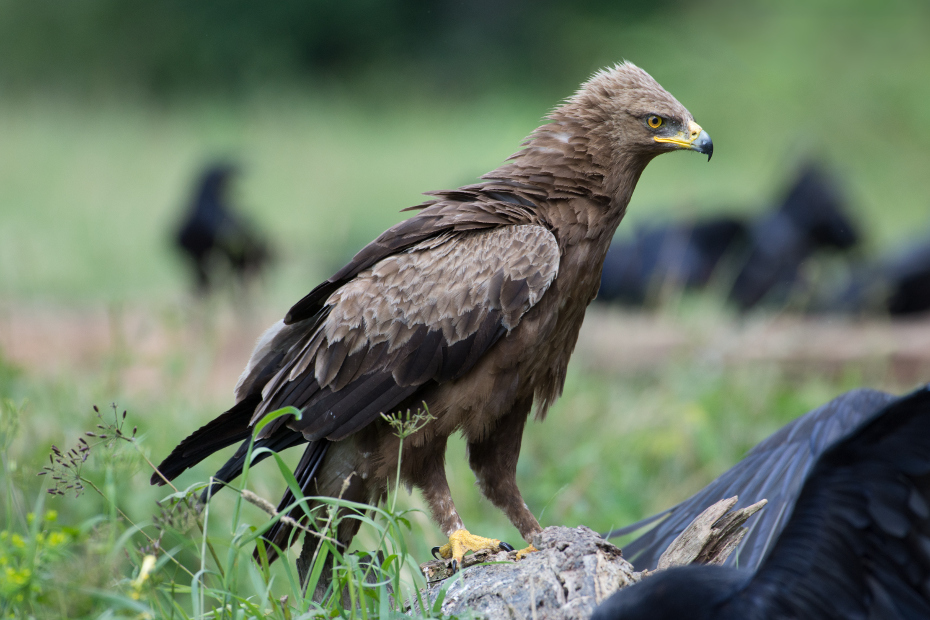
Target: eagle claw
[[461, 541]]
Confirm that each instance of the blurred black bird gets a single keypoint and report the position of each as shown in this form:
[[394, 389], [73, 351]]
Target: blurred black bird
[[897, 284], [669, 257], [762, 258], [855, 543], [812, 217], [216, 239]]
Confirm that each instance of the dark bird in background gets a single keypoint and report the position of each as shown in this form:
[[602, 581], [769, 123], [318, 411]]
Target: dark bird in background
[[667, 257], [761, 257], [812, 217], [854, 544], [470, 308], [897, 284], [216, 238]]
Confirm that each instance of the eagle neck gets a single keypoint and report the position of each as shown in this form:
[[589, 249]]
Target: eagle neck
[[580, 181]]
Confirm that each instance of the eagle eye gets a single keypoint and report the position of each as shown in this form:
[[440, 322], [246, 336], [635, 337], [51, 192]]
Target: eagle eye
[[654, 121]]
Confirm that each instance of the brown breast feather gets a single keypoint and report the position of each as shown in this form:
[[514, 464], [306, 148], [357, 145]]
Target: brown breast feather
[[425, 314]]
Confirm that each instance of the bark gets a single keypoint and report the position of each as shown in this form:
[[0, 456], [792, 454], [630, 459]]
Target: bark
[[572, 572]]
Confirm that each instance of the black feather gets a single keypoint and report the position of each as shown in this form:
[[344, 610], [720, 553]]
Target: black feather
[[774, 470], [422, 364], [853, 547], [227, 429], [233, 467], [304, 473]]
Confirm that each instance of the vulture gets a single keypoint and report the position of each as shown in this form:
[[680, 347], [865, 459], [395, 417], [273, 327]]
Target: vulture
[[774, 470], [761, 258], [812, 217], [469, 310], [214, 237], [664, 258], [855, 542], [896, 284]]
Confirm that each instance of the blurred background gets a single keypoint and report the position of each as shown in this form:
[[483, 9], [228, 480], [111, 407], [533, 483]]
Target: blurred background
[[337, 115]]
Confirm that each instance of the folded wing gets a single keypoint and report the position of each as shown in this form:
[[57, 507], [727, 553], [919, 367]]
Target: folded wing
[[422, 315]]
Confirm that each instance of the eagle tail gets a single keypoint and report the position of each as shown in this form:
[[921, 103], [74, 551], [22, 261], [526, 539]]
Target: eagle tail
[[233, 467], [227, 429]]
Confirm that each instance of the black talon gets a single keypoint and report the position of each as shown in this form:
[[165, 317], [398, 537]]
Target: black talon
[[434, 552], [455, 566], [506, 546]]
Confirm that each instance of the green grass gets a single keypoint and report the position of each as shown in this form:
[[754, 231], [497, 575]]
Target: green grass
[[90, 190], [613, 449], [184, 562]]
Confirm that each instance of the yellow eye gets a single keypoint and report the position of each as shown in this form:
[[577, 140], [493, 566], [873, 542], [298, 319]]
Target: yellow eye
[[654, 121]]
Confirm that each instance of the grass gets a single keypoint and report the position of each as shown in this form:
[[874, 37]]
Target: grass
[[92, 188], [613, 449], [326, 171], [185, 563]]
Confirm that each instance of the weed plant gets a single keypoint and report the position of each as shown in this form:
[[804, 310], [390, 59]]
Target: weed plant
[[184, 564]]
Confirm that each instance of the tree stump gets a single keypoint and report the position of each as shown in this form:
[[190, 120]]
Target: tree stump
[[572, 572]]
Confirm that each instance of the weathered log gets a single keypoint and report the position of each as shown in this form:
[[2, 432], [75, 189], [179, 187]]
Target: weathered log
[[573, 570], [711, 537], [570, 574]]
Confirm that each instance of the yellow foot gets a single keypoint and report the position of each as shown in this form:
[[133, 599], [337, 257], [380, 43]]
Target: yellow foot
[[522, 553], [462, 541]]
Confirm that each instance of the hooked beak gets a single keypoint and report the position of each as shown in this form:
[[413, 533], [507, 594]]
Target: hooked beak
[[695, 140]]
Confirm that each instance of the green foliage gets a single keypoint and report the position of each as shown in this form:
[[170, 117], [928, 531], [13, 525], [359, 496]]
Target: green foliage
[[185, 564], [175, 46], [27, 582]]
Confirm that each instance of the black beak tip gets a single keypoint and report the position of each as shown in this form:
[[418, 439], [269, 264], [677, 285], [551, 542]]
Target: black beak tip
[[704, 145], [708, 147]]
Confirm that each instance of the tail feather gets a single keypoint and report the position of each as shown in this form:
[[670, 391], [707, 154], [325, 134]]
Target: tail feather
[[229, 428], [305, 473], [357, 491], [233, 467]]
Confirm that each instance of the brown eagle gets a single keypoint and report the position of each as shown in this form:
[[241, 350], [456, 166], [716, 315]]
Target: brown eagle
[[470, 308]]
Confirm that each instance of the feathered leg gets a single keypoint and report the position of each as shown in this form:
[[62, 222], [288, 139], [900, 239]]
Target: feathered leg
[[425, 468], [494, 461]]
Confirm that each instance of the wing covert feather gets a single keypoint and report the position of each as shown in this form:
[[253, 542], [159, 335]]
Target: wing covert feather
[[426, 314]]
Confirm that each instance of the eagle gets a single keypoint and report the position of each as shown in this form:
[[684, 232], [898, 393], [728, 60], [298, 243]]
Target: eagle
[[469, 310]]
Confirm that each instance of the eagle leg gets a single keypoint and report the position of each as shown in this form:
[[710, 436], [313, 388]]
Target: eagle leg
[[462, 541], [493, 458], [424, 467]]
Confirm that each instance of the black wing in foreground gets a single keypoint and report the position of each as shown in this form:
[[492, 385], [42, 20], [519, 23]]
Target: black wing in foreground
[[857, 544], [774, 470]]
